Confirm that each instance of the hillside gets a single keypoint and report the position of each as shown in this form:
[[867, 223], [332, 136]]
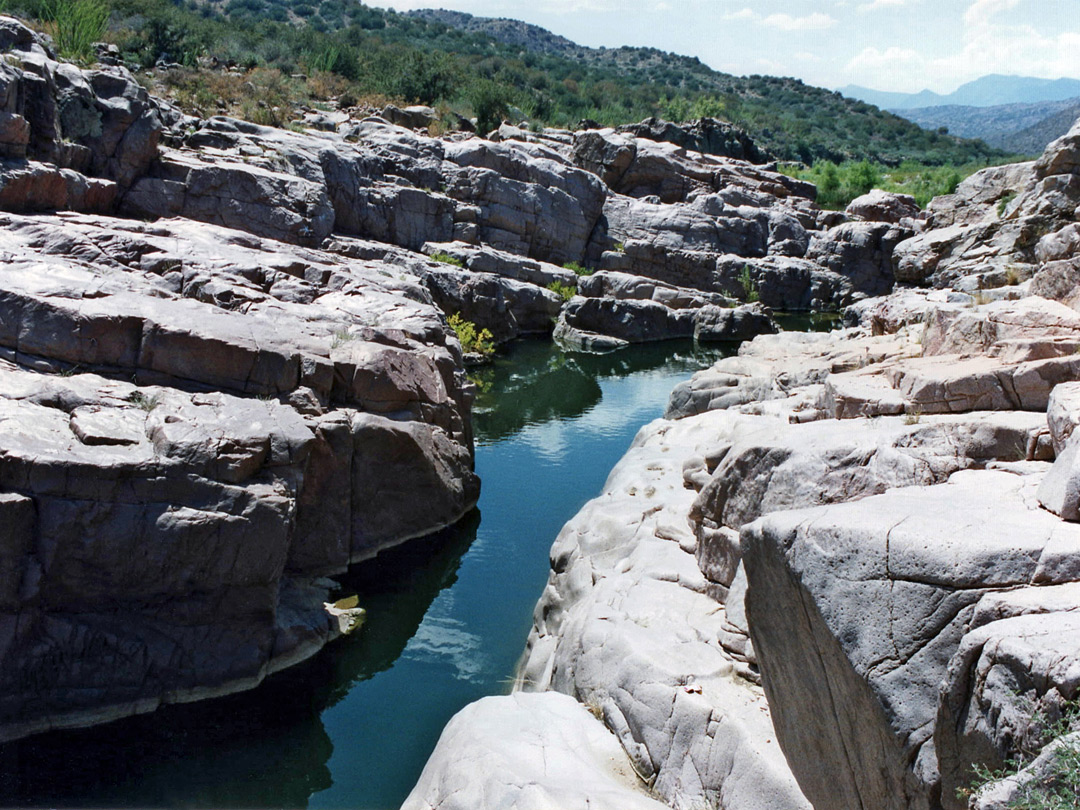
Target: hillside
[[332, 52], [1023, 129], [986, 91]]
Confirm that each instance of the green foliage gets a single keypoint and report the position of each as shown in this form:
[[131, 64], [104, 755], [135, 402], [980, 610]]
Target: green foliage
[[1059, 787], [578, 269], [1003, 203], [567, 291], [75, 25], [473, 341], [490, 103], [839, 184], [396, 57], [446, 258], [750, 287]]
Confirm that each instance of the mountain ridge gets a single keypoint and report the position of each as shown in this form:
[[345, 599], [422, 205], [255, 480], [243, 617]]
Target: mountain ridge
[[992, 90]]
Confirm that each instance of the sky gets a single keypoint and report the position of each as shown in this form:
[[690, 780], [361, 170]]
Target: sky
[[898, 45]]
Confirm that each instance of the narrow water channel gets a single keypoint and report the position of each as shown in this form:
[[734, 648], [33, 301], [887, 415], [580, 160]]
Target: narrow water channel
[[447, 619]]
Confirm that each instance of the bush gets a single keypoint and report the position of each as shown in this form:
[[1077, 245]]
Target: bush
[[472, 341], [446, 258], [578, 269], [567, 291], [750, 287]]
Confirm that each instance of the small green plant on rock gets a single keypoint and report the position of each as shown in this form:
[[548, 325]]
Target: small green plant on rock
[[141, 400], [750, 287], [567, 291], [1057, 787], [578, 269], [446, 258], [1003, 203], [340, 337], [473, 341]]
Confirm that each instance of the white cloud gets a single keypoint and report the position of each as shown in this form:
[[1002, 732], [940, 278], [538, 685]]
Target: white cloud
[[811, 22], [980, 12], [743, 14], [866, 8]]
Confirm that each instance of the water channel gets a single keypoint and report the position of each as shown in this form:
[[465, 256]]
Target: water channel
[[447, 620]]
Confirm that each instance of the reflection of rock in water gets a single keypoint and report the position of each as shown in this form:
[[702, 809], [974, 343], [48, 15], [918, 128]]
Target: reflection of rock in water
[[536, 381], [397, 587], [264, 748]]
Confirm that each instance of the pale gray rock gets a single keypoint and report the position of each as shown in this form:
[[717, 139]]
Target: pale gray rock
[[883, 206], [417, 116], [484, 259], [978, 196], [904, 565], [1011, 677], [1059, 491], [629, 320], [169, 537], [712, 322], [1063, 413], [531, 751], [1007, 792], [626, 624]]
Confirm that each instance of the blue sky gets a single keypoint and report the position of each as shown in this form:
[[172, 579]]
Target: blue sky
[[904, 45]]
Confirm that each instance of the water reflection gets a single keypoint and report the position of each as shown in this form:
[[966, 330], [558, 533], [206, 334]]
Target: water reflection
[[532, 381], [264, 748]]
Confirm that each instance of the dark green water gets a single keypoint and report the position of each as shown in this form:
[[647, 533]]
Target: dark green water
[[447, 620]]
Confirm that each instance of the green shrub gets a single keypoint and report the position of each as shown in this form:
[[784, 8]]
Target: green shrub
[[567, 291], [1059, 786], [750, 288], [473, 341], [1003, 203], [75, 25], [446, 258], [578, 269]]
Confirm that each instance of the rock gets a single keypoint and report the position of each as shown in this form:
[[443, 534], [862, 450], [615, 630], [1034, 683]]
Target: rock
[[1063, 413], [903, 561], [415, 117], [860, 252], [625, 624], [883, 206], [979, 196], [132, 541], [632, 321], [742, 323], [1015, 670], [484, 259], [706, 135], [534, 750], [1060, 488], [1007, 792], [625, 287]]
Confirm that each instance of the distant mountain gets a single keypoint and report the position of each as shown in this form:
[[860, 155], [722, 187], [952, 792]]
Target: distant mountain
[[1033, 139], [987, 91], [1023, 129]]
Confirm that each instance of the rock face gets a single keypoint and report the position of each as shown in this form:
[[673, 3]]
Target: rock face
[[291, 412]]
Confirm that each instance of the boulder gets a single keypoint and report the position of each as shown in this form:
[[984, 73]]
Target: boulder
[[528, 750], [904, 565], [883, 206]]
